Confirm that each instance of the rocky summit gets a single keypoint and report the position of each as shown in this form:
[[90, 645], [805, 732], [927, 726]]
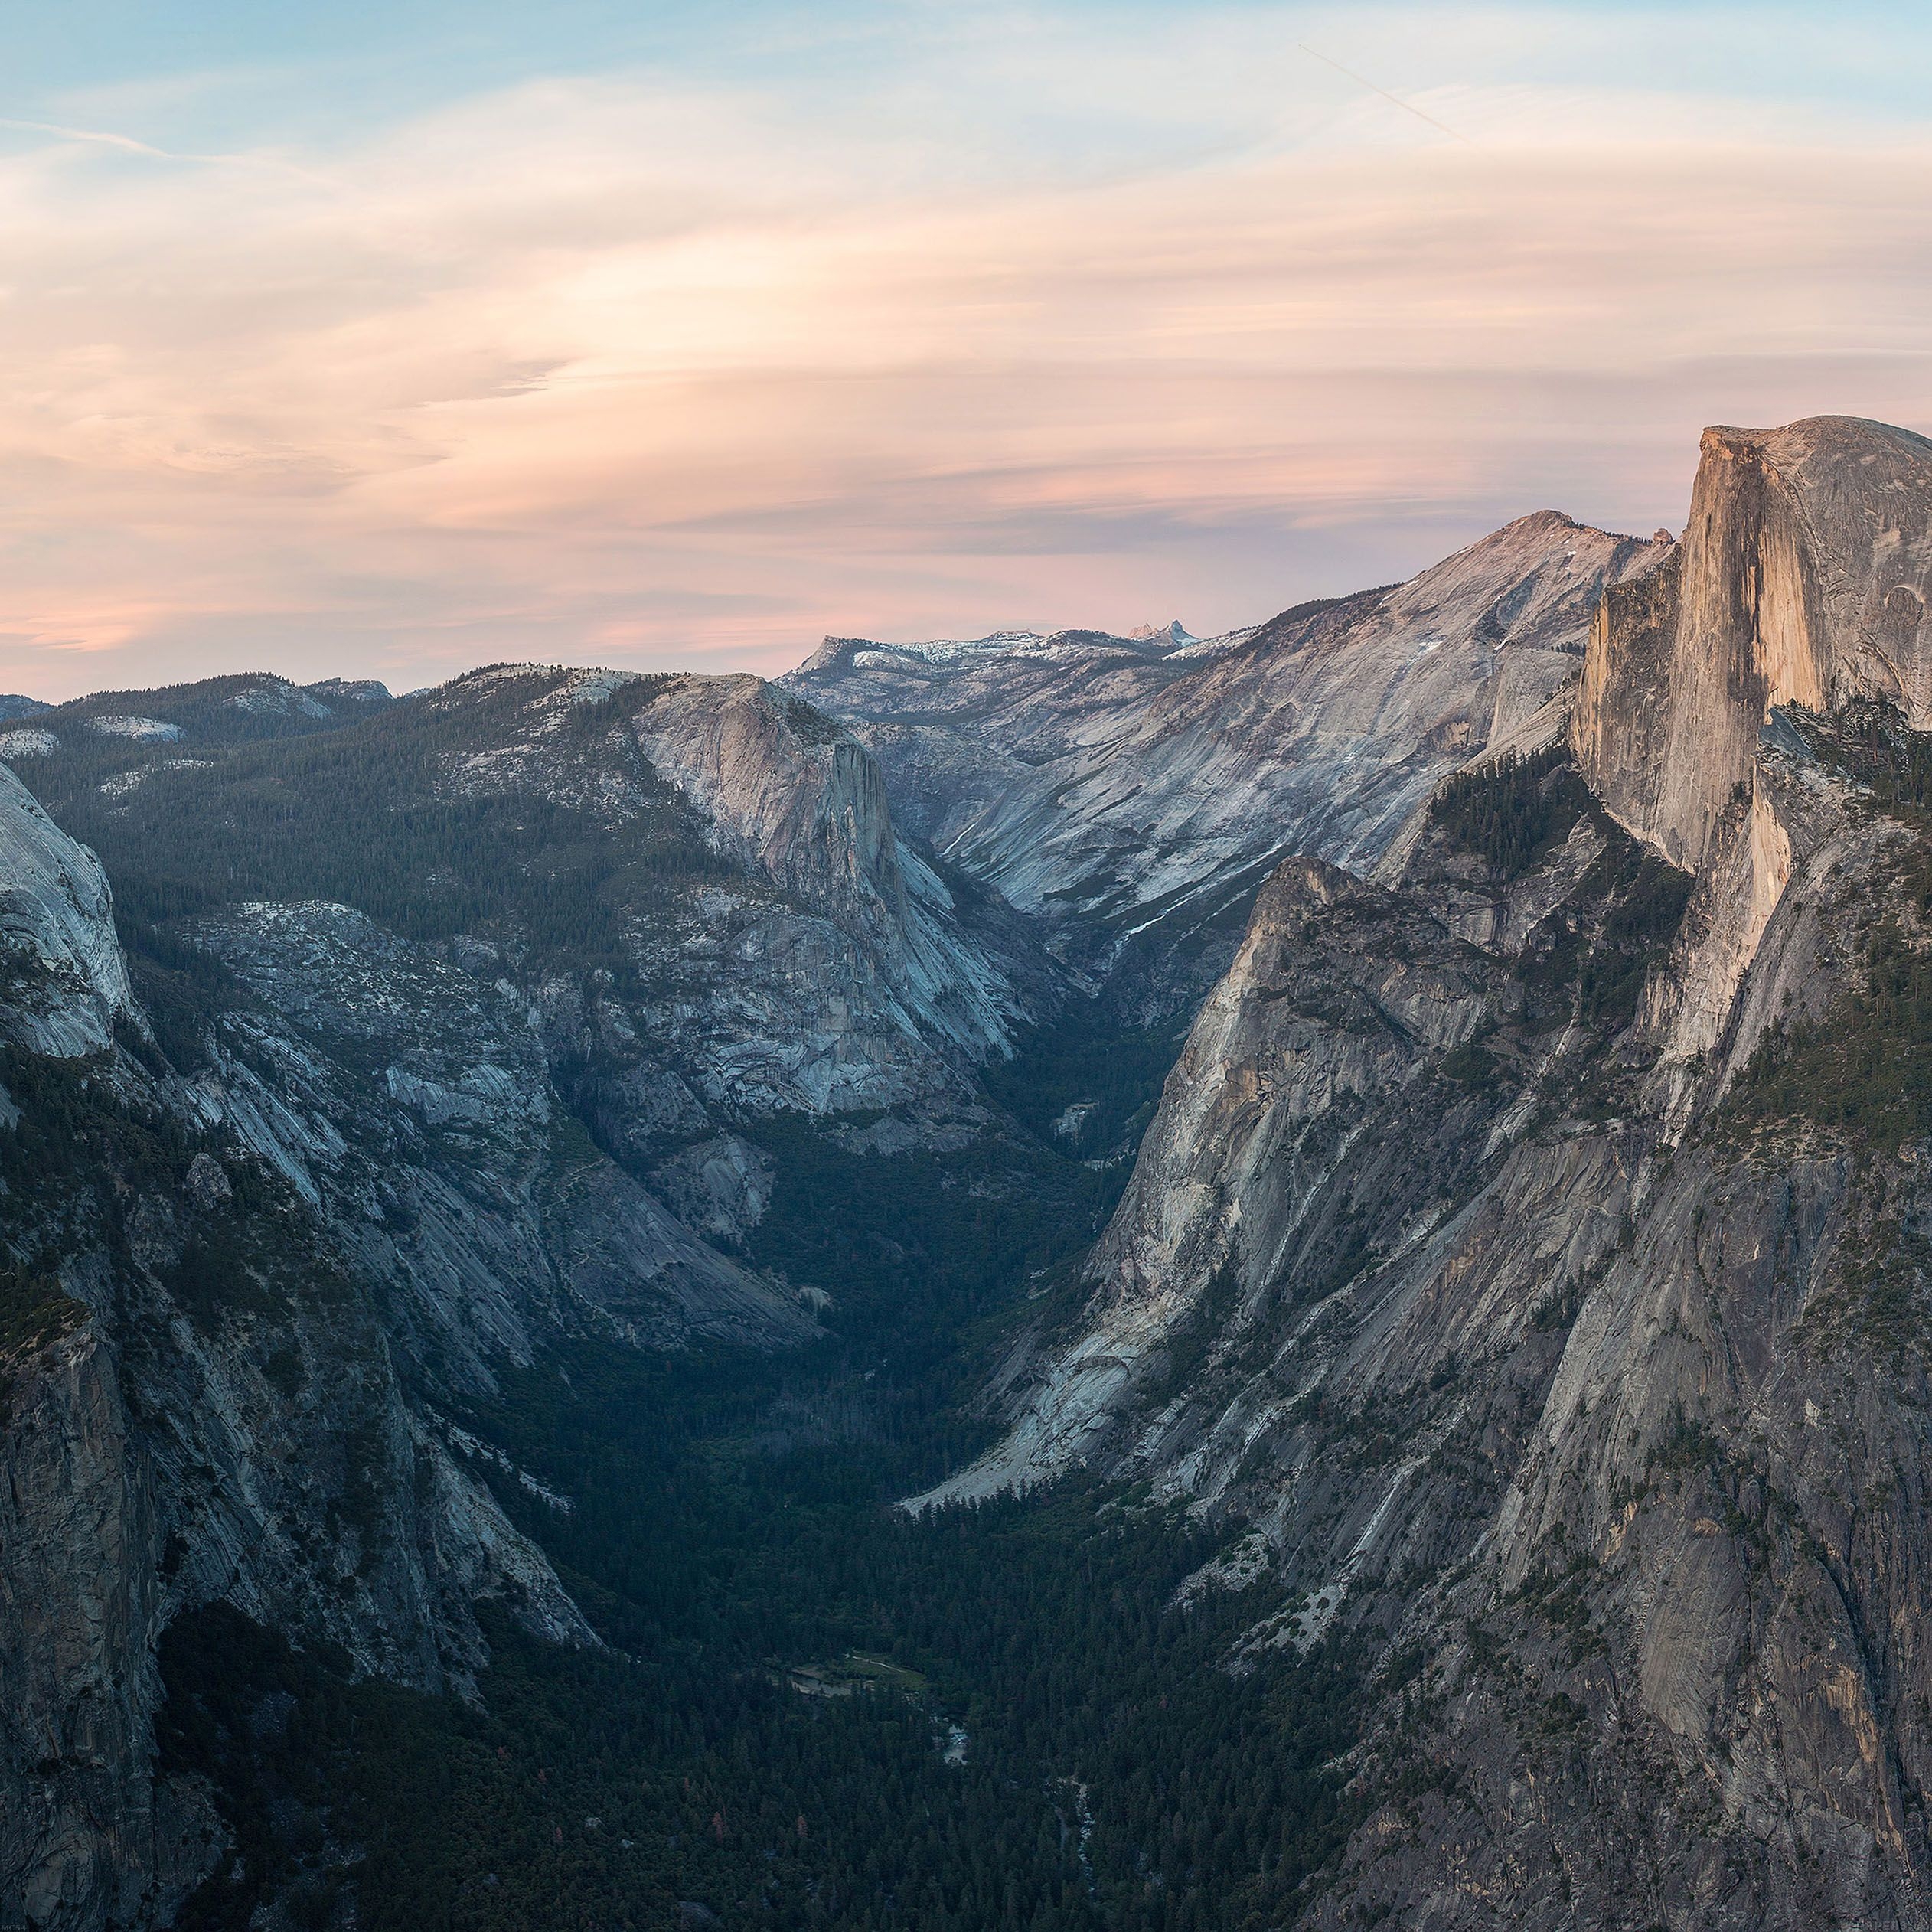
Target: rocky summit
[[1073, 1279], [1125, 789], [1528, 1258]]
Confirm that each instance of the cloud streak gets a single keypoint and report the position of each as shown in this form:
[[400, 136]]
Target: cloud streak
[[632, 367], [126, 144], [1408, 107]]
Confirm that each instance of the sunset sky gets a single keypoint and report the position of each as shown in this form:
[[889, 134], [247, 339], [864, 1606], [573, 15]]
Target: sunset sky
[[385, 340]]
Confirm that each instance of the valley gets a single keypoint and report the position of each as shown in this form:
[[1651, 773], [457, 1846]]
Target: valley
[[1298, 1263]]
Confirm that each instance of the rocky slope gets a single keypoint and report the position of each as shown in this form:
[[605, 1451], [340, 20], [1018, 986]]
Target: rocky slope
[[694, 883], [1802, 579], [67, 981], [1530, 1264], [204, 1396], [1109, 785], [428, 1046], [1529, 1269]]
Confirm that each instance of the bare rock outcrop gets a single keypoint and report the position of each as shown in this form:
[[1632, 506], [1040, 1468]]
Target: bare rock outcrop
[[1802, 578], [202, 1375], [1529, 1265], [65, 980], [1117, 787]]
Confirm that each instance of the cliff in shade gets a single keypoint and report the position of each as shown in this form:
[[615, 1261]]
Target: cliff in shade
[[1131, 793], [409, 1049], [161, 1447], [1530, 1265]]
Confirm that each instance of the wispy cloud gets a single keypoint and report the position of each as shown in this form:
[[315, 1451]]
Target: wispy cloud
[[1408, 107], [126, 144], [687, 373]]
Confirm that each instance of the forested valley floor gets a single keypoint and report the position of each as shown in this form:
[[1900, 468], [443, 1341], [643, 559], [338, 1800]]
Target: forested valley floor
[[811, 1710]]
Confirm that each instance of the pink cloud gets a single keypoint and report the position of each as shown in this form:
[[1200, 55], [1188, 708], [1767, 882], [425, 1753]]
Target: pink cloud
[[613, 370]]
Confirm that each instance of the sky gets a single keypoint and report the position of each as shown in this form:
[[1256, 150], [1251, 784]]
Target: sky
[[387, 340]]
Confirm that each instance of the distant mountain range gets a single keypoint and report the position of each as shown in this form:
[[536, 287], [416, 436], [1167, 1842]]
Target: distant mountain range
[[1131, 792]]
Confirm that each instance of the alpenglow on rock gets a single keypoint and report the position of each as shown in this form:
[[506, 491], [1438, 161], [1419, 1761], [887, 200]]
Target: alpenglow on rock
[[1105, 783], [1528, 1265], [1523, 1292], [1802, 579]]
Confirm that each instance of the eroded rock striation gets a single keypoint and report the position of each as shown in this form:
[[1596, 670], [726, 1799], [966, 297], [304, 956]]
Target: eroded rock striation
[[66, 981], [1111, 786], [1531, 1264]]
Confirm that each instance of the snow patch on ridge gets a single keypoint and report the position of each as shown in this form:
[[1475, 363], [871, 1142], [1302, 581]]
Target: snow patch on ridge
[[152, 730]]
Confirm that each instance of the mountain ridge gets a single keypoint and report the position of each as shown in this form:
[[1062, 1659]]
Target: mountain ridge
[[1500, 1270], [1112, 788], [295, 1198], [1519, 1303]]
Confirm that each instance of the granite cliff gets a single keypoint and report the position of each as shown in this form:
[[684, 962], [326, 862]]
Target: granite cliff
[[1522, 1298], [420, 1038], [1802, 579], [1123, 788], [1528, 1265], [204, 1396]]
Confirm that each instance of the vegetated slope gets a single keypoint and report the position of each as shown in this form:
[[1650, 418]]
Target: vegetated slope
[[232, 709], [1117, 786], [205, 1394], [695, 882], [1045, 1739], [1528, 1268], [298, 1177]]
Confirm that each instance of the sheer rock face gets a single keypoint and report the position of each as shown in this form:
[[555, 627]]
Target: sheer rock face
[[1802, 578], [256, 1259], [1514, 1318], [68, 980], [1295, 1049], [413, 1106], [268, 1271], [1106, 784], [823, 968], [201, 1374], [781, 791], [787, 794], [1546, 1378]]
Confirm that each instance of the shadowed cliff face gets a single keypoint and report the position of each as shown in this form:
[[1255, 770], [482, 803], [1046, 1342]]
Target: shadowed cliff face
[[1802, 579], [783, 792], [67, 983], [282, 1204], [217, 1277]]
